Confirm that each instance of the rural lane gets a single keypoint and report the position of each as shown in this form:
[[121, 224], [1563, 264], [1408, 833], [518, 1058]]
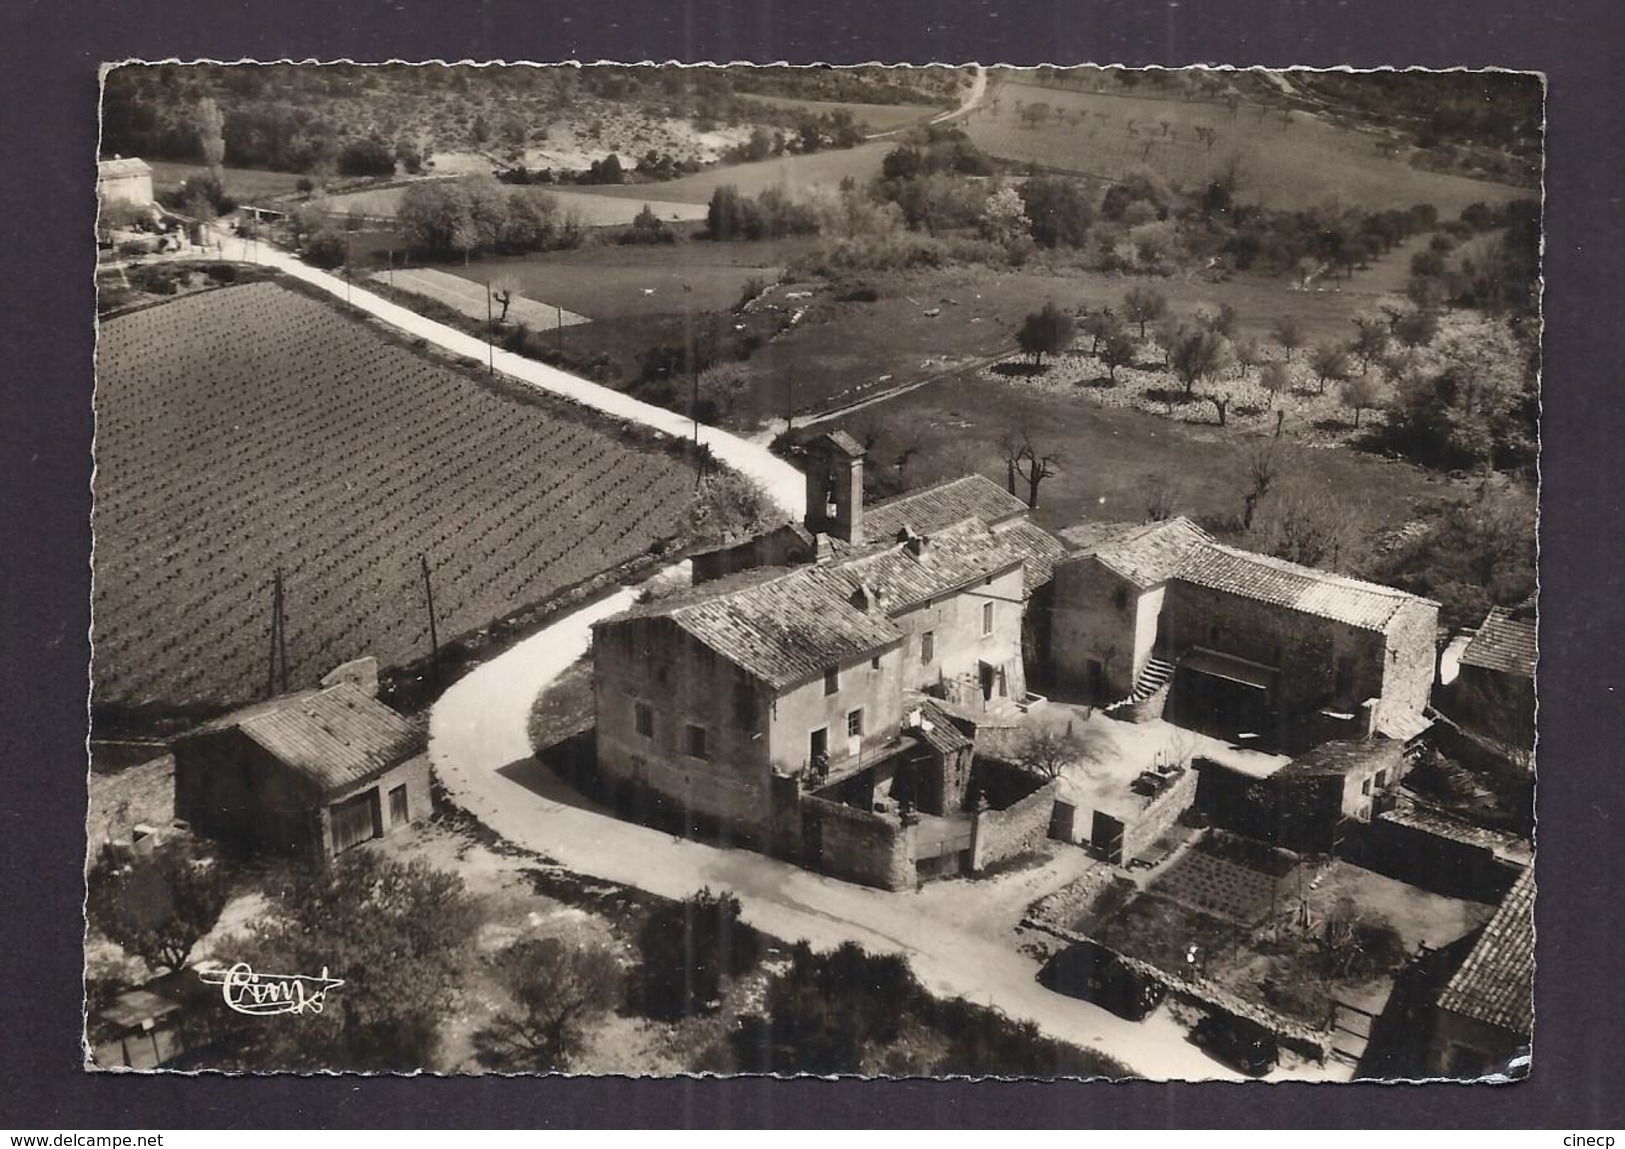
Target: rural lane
[[781, 480], [956, 934]]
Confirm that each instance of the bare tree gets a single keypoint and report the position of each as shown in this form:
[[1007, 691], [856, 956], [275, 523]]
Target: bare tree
[[1048, 751], [1162, 493], [1023, 459], [504, 290]]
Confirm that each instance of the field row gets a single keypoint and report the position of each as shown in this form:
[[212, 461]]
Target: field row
[[253, 428]]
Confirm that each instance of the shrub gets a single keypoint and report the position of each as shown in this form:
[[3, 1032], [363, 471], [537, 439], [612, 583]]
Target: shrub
[[326, 249], [689, 949]]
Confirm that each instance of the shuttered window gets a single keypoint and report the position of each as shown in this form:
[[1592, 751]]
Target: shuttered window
[[397, 806]]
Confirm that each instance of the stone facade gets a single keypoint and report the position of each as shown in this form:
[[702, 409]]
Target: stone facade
[[750, 731], [856, 845], [974, 628], [1017, 829]]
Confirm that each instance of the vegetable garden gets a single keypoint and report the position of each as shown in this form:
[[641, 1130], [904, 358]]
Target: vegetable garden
[[253, 428]]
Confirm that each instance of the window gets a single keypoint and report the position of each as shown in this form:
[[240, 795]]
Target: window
[[832, 680], [694, 741], [874, 663], [928, 646], [644, 716], [397, 806], [987, 618], [854, 723], [1365, 787], [1382, 779]]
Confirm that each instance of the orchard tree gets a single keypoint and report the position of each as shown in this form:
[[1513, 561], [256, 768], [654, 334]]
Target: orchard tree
[[1047, 331], [1144, 305], [1289, 334], [1197, 356], [1417, 328], [1275, 378], [1119, 351], [157, 907], [1360, 393], [1371, 342], [1330, 363]]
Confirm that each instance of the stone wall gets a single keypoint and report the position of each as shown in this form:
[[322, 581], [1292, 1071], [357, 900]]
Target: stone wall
[[1159, 814], [857, 846], [1412, 658], [1434, 862], [786, 546], [1014, 830], [1095, 616], [413, 774]]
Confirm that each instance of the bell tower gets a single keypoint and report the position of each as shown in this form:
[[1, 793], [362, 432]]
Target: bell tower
[[835, 486]]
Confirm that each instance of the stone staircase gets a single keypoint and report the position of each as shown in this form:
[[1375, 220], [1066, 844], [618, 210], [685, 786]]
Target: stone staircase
[[1153, 680]]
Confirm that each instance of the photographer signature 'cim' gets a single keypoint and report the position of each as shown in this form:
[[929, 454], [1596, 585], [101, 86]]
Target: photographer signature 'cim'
[[265, 994]]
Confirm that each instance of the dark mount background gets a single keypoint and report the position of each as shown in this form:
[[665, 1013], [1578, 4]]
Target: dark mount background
[[49, 90]]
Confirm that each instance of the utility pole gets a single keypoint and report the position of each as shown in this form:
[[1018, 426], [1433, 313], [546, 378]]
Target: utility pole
[[558, 338], [279, 639], [347, 275], [390, 254], [490, 332], [790, 400], [434, 635]]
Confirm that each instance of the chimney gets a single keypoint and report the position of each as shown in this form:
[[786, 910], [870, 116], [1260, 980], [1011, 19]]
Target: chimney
[[835, 486], [869, 600], [915, 543]]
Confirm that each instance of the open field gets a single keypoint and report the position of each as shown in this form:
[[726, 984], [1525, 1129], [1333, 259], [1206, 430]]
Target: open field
[[842, 351], [794, 173], [1292, 165], [610, 281], [877, 117], [1108, 456], [591, 210], [471, 298], [243, 184], [254, 428]]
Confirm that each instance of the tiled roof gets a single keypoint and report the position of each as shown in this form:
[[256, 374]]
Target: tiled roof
[[131, 166], [782, 626], [785, 626], [1442, 824], [335, 737], [1506, 642], [1089, 536], [845, 442], [1340, 758], [948, 559], [1495, 984], [937, 730], [1264, 579], [1038, 547], [1153, 552], [973, 496]]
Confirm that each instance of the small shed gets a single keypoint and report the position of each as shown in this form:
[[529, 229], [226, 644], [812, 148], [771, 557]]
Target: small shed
[[139, 1030], [315, 773], [124, 180]]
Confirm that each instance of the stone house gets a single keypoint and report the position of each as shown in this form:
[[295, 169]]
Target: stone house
[[124, 181], [1485, 1012], [1159, 620], [1493, 694], [312, 773]]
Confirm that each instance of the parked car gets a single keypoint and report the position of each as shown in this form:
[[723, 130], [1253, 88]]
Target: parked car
[[1241, 1044], [1094, 973]]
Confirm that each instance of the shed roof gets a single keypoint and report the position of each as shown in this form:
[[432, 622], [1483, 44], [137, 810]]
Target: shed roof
[[335, 737], [1495, 985], [1341, 758], [936, 730], [137, 1007], [1505, 643], [935, 507], [123, 166]]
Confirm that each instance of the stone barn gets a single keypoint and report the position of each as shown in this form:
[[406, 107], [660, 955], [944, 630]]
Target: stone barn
[[124, 181], [1159, 620], [1485, 1013], [1493, 694], [313, 773]]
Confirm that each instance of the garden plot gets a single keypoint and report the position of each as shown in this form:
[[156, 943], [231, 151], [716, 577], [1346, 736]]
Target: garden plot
[[470, 298]]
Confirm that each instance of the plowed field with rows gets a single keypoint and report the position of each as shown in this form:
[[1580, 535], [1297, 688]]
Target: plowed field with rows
[[252, 428]]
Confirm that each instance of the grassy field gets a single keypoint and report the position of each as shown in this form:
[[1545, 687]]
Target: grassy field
[[842, 351], [254, 428], [1108, 456], [590, 210], [243, 184], [610, 281], [877, 117], [794, 173], [1284, 165]]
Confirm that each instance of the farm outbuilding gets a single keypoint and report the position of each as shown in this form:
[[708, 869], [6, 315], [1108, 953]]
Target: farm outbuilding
[[313, 773], [122, 180]]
